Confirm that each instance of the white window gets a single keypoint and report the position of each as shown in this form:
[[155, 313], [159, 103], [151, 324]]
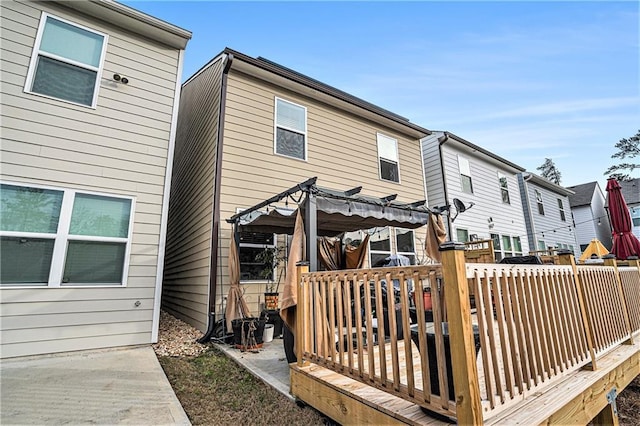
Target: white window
[[462, 235], [405, 244], [67, 61], [290, 130], [539, 202], [542, 245], [561, 207], [465, 174], [63, 237], [379, 246], [252, 266], [388, 158], [517, 246], [507, 250], [497, 247], [504, 189]]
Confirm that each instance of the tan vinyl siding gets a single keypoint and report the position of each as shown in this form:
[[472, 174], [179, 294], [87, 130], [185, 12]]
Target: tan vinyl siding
[[342, 153], [119, 148], [188, 255]]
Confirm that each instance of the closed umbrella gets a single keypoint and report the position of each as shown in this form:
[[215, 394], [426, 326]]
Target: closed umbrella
[[625, 244], [236, 305]]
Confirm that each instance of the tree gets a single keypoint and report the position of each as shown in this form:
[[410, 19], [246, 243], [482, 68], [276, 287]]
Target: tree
[[549, 171], [626, 148]]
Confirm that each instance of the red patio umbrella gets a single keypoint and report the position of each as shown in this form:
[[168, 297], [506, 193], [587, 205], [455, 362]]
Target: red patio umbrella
[[625, 244]]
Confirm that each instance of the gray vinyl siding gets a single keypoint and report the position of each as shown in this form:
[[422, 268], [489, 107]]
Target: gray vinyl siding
[[507, 219], [433, 170], [119, 148], [549, 227], [342, 153], [188, 254], [585, 225]]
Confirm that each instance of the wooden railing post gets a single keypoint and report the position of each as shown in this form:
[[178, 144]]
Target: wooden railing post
[[610, 260], [565, 257], [301, 305], [463, 352]]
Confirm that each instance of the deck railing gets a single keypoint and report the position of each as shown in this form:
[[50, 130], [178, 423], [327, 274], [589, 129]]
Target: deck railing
[[531, 325]]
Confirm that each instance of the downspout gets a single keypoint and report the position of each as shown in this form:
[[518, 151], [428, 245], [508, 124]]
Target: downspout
[[441, 141], [215, 232]]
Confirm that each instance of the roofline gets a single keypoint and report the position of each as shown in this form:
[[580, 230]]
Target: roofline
[[323, 88], [539, 180], [449, 135], [133, 20]]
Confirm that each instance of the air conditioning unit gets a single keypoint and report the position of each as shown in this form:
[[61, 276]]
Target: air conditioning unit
[[473, 237]]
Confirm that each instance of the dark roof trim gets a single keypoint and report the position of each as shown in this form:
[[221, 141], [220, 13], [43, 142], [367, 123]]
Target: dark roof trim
[[299, 78], [449, 135], [540, 181]]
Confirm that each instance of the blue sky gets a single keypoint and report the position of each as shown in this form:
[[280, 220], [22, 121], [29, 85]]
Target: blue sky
[[525, 80]]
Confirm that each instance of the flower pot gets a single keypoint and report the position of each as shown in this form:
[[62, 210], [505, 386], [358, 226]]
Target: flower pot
[[271, 301], [248, 333], [427, 299]]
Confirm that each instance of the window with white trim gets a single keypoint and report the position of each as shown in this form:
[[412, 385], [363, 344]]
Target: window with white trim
[[388, 158], [539, 202], [497, 247], [63, 237], [290, 129], [66, 62], [504, 188], [405, 244], [250, 246], [379, 246], [462, 235], [561, 207], [465, 174]]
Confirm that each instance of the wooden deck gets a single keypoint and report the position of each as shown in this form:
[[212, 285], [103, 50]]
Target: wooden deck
[[554, 344]]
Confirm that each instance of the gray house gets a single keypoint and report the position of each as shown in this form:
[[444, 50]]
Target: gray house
[[89, 97], [589, 214], [547, 214], [458, 169], [631, 192]]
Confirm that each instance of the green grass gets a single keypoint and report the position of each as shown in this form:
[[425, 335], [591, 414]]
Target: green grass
[[214, 390]]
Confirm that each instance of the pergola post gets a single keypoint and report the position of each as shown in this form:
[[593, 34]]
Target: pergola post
[[463, 352]]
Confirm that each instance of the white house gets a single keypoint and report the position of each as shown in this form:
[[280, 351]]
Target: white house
[[589, 214]]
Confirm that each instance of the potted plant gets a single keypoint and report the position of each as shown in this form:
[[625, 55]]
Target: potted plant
[[271, 257]]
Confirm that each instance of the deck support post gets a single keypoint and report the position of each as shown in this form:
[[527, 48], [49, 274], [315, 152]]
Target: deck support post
[[463, 353], [301, 268], [567, 258]]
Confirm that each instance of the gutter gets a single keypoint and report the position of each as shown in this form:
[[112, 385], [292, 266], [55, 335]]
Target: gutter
[[215, 232]]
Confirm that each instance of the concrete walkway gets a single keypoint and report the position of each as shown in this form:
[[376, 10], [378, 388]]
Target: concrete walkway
[[111, 386]]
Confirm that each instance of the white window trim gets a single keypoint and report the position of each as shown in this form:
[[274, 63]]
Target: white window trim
[[397, 160], [539, 202], [406, 253], [58, 257], [275, 244], [275, 130], [464, 169], [36, 52], [371, 251], [506, 187], [563, 213]]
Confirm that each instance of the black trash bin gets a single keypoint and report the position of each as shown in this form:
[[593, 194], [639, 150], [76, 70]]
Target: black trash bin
[[433, 360]]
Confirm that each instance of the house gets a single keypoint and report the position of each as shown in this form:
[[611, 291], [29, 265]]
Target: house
[[589, 214], [630, 190], [547, 214], [90, 96], [458, 169], [250, 128]]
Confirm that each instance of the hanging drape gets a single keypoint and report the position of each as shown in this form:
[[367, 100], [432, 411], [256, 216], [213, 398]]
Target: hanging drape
[[355, 256], [236, 305], [436, 235], [330, 253], [290, 291]]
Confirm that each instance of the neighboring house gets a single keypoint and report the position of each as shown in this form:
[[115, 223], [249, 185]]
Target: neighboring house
[[631, 192], [589, 215], [249, 129], [456, 168], [89, 106], [547, 214]]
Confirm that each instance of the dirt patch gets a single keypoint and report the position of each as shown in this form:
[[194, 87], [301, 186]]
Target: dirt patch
[[628, 403]]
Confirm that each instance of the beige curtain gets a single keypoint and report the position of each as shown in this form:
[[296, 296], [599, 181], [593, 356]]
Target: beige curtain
[[355, 256], [290, 291], [330, 253], [236, 305], [436, 235]]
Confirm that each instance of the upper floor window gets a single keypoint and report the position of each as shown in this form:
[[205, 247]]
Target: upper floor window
[[63, 237], [465, 175], [67, 61], [291, 129], [388, 158], [539, 202], [561, 207], [504, 189]]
